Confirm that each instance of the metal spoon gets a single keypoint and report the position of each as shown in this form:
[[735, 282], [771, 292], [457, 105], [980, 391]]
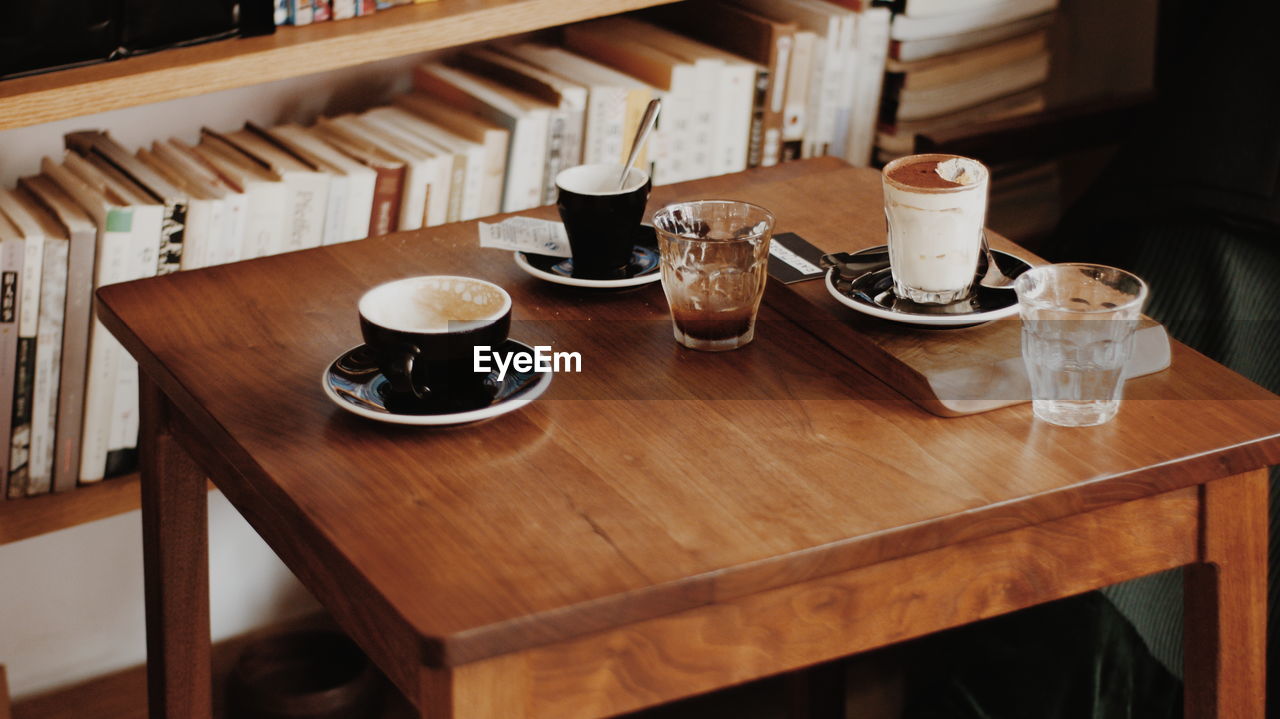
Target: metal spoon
[[642, 134], [993, 276]]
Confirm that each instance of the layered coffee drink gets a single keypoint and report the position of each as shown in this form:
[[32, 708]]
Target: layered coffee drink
[[936, 206], [431, 304]]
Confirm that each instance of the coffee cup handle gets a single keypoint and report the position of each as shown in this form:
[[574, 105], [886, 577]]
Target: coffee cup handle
[[401, 377]]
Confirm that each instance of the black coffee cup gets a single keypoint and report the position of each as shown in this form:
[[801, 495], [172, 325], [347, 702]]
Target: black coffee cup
[[424, 331], [601, 220]]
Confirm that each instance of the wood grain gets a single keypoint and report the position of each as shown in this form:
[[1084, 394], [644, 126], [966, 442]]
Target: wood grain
[[33, 516], [1225, 604], [290, 52], [659, 660], [656, 482], [175, 552]]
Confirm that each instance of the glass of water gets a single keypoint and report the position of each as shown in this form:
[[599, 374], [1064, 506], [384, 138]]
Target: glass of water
[[1078, 322], [715, 256]]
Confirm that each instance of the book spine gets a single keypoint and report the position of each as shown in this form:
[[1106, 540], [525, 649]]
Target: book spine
[[11, 261], [780, 54], [457, 187], [76, 323], [115, 248], [574, 128], [20, 421], [335, 209], [759, 109], [44, 415], [555, 155], [173, 232], [321, 11], [384, 217], [343, 9], [300, 12]]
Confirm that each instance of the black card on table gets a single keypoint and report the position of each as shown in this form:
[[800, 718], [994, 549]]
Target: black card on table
[[793, 259]]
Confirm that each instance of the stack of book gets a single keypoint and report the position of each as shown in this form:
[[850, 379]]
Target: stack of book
[[955, 62]]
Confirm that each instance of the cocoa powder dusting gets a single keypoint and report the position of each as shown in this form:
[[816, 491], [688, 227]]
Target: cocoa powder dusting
[[922, 174]]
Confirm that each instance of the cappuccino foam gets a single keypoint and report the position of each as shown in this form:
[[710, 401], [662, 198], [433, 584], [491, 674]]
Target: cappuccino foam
[[434, 304]]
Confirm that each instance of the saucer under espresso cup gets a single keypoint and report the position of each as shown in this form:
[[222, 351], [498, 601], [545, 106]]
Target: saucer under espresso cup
[[645, 265], [422, 333], [600, 218], [354, 383]]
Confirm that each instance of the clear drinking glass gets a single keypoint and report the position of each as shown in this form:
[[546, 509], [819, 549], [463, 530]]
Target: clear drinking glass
[[715, 257], [1078, 322]]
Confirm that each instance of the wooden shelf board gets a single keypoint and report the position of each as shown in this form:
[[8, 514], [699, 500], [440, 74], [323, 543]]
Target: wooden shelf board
[[32, 516], [290, 52]]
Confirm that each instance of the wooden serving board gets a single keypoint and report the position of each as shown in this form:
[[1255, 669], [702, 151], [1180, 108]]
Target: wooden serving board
[[949, 372]]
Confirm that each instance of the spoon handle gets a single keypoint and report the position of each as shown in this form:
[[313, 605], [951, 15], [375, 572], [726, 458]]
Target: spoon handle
[[642, 134]]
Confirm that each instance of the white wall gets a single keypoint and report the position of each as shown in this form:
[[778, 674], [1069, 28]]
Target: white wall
[[71, 601]]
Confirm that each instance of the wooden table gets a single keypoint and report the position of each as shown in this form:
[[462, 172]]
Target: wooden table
[[666, 522]]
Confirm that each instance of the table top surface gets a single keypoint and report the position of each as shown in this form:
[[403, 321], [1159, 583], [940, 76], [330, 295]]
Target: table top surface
[[659, 478]]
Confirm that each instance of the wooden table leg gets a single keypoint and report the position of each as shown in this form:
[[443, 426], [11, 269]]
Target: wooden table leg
[[1225, 607], [175, 556]]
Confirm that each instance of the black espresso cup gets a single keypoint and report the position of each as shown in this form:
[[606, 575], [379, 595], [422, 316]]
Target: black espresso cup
[[601, 220], [424, 331]]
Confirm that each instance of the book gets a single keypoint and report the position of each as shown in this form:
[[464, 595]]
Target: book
[[389, 176], [906, 27], [139, 262], [872, 47], [351, 183], [11, 262], [615, 101], [205, 212], [526, 118], [114, 258], [24, 377], [901, 103], [77, 323], [265, 218], [474, 128], [566, 125], [677, 155], [765, 41], [322, 10], [909, 50], [228, 245], [927, 8], [468, 158], [959, 66], [428, 171], [306, 188], [343, 9], [151, 183], [899, 138], [31, 222], [729, 97]]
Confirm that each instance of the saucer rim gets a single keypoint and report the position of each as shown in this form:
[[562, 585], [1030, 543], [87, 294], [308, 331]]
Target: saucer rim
[[956, 321], [653, 275], [531, 393]]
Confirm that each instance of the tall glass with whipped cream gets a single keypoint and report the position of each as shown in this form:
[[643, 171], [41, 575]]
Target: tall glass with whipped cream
[[935, 206]]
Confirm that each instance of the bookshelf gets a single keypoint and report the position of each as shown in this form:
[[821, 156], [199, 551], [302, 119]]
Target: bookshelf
[[201, 69], [290, 52]]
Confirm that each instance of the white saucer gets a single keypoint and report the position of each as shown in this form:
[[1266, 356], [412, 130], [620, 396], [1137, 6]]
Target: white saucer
[[353, 382]]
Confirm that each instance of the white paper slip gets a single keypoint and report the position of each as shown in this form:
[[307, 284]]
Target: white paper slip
[[526, 234]]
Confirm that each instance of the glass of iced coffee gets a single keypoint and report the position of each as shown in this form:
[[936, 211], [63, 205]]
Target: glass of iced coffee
[[935, 206], [715, 257]]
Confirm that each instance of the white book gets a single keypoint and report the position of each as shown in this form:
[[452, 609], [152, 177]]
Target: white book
[[469, 159], [421, 169], [873, 50], [795, 119], [227, 229], [264, 226], [969, 20], [526, 119], [204, 219], [115, 237], [306, 189], [567, 99], [608, 93], [492, 137], [53, 288], [435, 162], [147, 238], [360, 179], [675, 157]]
